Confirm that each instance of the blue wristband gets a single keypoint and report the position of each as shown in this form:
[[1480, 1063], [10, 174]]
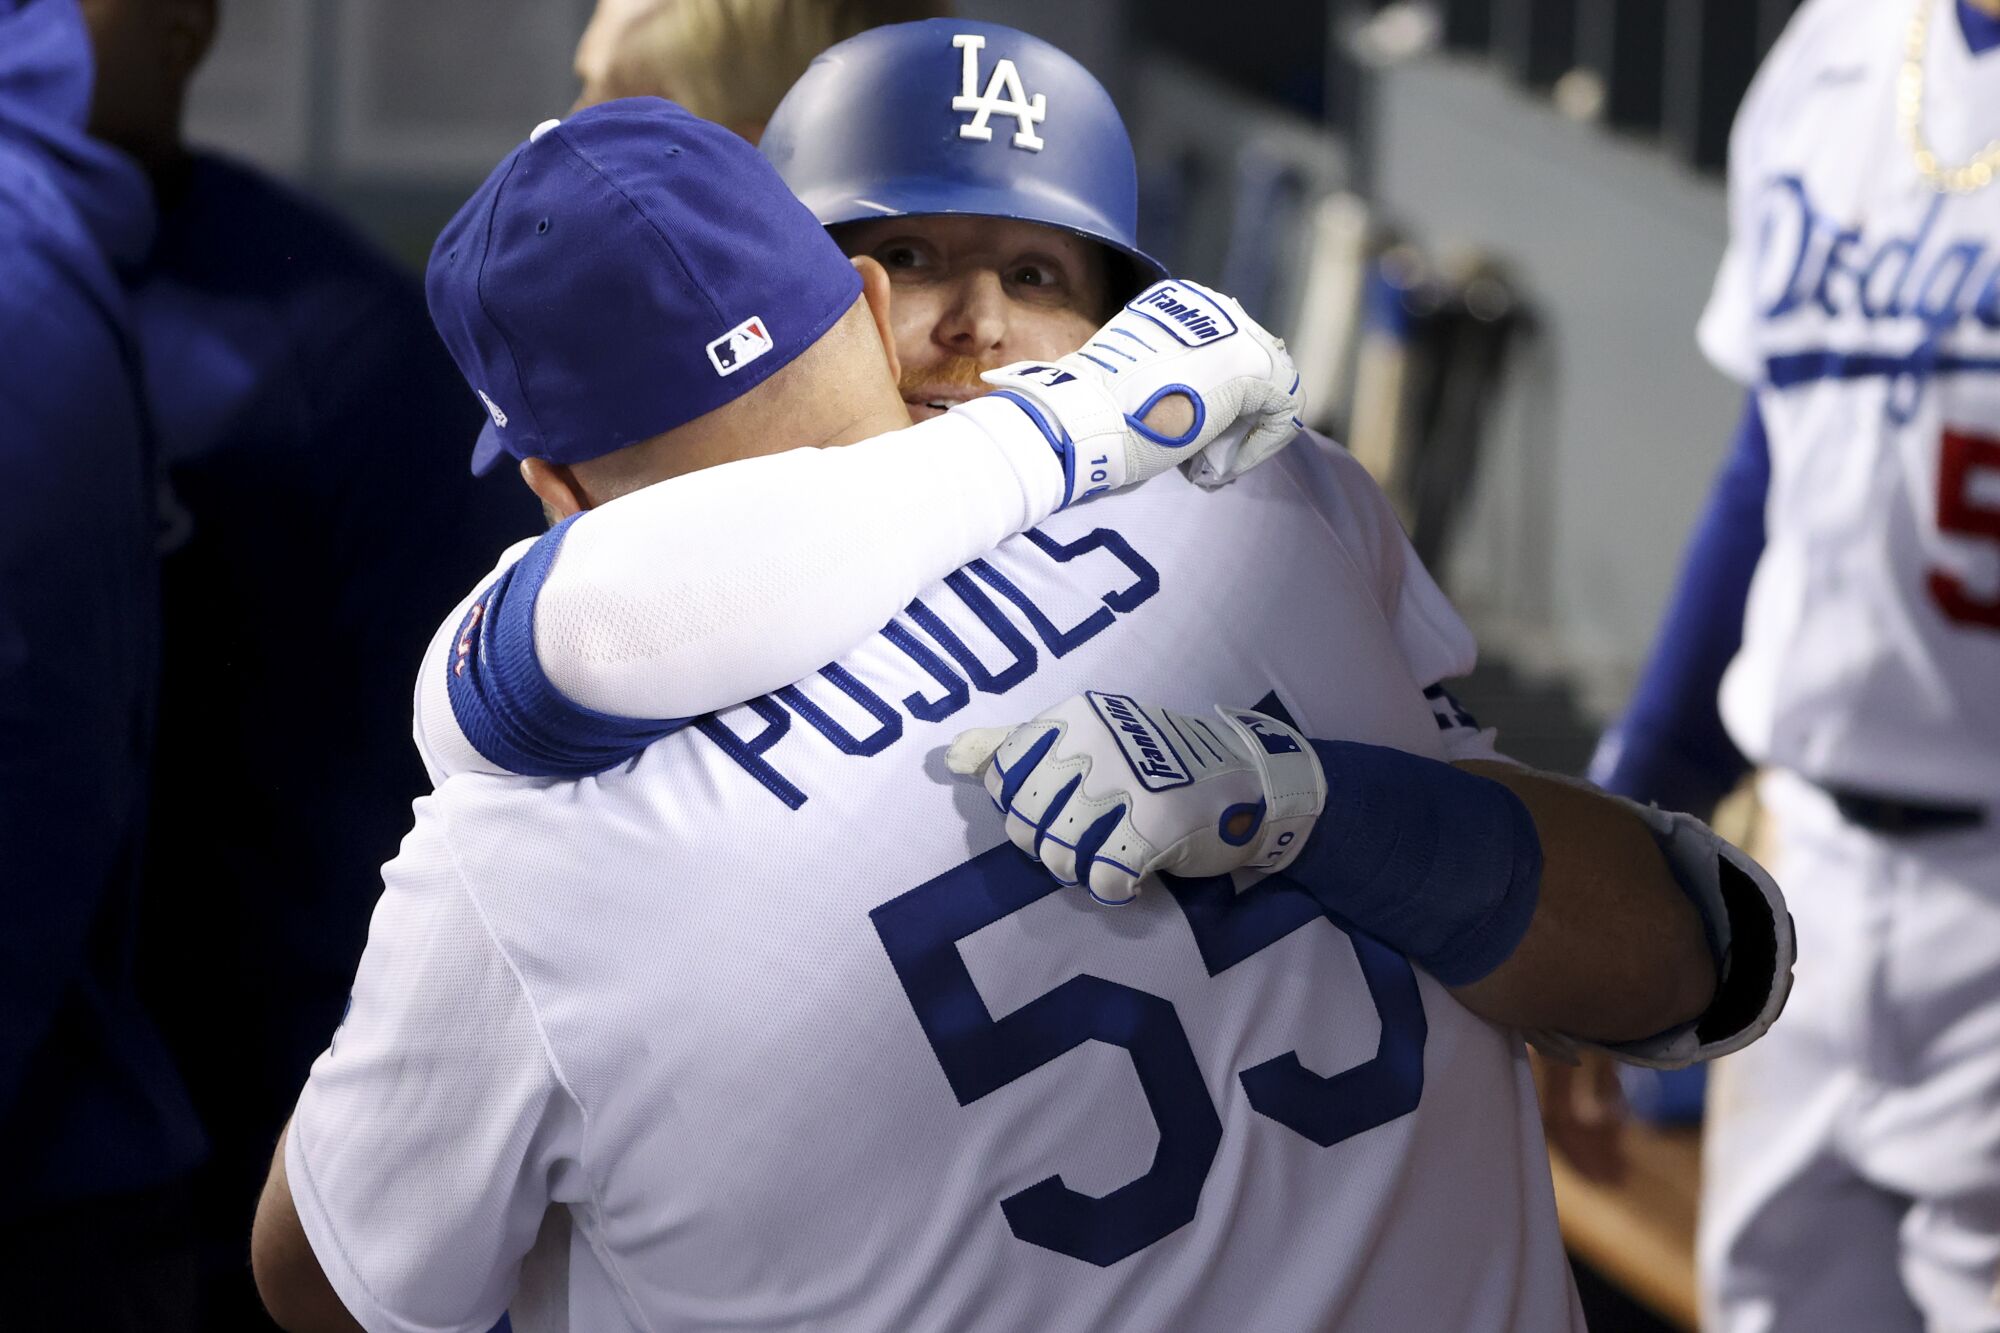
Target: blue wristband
[[1442, 865], [505, 703]]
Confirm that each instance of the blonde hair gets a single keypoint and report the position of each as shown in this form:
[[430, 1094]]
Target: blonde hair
[[733, 61]]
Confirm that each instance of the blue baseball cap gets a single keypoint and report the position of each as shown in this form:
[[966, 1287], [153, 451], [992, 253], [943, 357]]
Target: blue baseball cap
[[624, 271]]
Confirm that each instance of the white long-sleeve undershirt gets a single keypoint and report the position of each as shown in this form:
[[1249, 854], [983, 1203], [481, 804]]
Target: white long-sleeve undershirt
[[717, 586]]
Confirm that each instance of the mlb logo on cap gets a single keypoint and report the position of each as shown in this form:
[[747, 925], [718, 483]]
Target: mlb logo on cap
[[581, 288], [739, 347]]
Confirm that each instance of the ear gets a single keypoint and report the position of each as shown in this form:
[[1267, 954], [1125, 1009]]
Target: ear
[[876, 291], [555, 486]]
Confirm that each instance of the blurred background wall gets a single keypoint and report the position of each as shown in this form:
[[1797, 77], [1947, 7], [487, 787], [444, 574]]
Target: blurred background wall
[[1564, 153]]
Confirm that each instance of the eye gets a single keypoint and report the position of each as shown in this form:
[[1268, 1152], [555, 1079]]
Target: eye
[[1038, 275], [904, 256]]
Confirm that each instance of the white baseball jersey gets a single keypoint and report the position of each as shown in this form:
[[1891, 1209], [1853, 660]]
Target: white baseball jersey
[[772, 1028], [1865, 308]]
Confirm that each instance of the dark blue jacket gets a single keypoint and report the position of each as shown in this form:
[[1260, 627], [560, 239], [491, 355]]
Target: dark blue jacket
[[322, 520], [90, 1103]]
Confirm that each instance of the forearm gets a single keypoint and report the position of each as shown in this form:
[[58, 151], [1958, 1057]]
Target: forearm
[[721, 585], [1544, 904], [290, 1280], [717, 586], [1615, 950]]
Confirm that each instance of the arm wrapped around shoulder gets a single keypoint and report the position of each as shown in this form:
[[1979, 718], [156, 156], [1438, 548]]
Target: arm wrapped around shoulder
[[1442, 865]]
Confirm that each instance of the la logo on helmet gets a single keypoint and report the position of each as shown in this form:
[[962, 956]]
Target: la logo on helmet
[[1004, 96]]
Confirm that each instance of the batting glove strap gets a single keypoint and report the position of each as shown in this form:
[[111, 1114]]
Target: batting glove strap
[[1293, 780], [1174, 338], [1077, 415]]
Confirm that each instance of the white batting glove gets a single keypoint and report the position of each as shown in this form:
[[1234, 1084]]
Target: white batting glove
[[1104, 790], [1176, 337]]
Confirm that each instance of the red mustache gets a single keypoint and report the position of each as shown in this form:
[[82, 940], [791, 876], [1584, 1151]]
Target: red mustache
[[958, 372]]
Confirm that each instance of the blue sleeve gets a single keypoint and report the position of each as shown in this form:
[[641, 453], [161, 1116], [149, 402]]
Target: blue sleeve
[[1670, 746], [1442, 865], [505, 703], [77, 637]]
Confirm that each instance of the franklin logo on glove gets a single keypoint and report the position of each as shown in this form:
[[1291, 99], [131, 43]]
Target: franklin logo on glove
[[1150, 753], [1195, 320], [1230, 804]]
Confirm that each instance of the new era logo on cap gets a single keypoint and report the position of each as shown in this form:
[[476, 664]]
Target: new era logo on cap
[[740, 346], [492, 409]]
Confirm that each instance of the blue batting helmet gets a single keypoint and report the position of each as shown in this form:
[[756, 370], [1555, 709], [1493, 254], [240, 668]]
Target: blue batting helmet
[[953, 116]]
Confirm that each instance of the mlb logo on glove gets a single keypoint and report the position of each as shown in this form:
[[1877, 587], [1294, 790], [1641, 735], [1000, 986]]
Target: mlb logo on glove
[[1273, 739]]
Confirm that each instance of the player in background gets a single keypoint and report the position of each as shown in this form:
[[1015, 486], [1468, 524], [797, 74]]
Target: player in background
[[93, 1220], [1837, 624], [669, 1037], [729, 61], [271, 336], [609, 21]]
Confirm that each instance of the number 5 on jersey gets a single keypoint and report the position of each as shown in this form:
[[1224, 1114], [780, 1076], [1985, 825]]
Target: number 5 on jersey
[[1968, 506], [980, 1054]]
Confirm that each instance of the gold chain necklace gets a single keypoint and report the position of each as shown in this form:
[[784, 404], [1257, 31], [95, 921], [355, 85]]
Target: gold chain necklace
[[1984, 165]]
